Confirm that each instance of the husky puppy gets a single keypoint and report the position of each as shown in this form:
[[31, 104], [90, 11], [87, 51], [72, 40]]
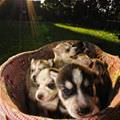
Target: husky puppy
[[67, 53], [46, 94], [40, 85], [63, 52], [80, 90]]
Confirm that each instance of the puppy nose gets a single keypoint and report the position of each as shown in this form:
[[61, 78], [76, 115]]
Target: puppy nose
[[40, 96], [85, 110]]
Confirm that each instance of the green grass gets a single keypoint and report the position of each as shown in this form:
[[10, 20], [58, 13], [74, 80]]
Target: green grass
[[108, 36], [17, 37]]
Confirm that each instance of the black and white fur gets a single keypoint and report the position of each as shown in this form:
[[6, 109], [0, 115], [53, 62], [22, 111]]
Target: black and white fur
[[81, 90]]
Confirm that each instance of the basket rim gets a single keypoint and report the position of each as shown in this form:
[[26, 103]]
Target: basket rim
[[29, 53]]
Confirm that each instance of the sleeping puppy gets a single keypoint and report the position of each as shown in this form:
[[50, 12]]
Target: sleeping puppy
[[67, 53], [78, 90], [41, 87]]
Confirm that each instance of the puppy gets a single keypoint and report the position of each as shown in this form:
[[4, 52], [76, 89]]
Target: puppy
[[63, 52], [78, 89], [46, 94], [67, 53], [40, 86]]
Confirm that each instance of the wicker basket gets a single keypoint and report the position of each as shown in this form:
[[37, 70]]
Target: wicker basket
[[12, 84]]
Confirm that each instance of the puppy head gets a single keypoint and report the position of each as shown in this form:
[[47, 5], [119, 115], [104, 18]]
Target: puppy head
[[77, 90], [40, 84], [64, 50], [46, 93], [36, 66]]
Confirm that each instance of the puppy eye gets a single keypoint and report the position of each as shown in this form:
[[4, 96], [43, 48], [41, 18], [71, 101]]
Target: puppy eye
[[66, 93], [36, 84], [89, 90], [67, 49], [51, 85]]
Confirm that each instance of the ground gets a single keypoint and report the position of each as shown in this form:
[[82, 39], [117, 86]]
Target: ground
[[23, 36]]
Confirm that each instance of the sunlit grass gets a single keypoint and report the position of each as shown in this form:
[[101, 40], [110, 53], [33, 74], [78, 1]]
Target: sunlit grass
[[16, 37], [92, 32]]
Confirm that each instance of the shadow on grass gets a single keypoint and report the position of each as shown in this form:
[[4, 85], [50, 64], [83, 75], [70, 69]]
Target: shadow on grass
[[17, 37]]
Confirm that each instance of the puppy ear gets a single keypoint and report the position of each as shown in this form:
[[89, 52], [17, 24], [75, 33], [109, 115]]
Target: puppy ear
[[54, 49], [32, 60], [56, 52], [53, 74]]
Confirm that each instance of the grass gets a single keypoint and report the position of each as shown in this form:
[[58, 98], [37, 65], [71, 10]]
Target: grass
[[16, 37], [107, 36]]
